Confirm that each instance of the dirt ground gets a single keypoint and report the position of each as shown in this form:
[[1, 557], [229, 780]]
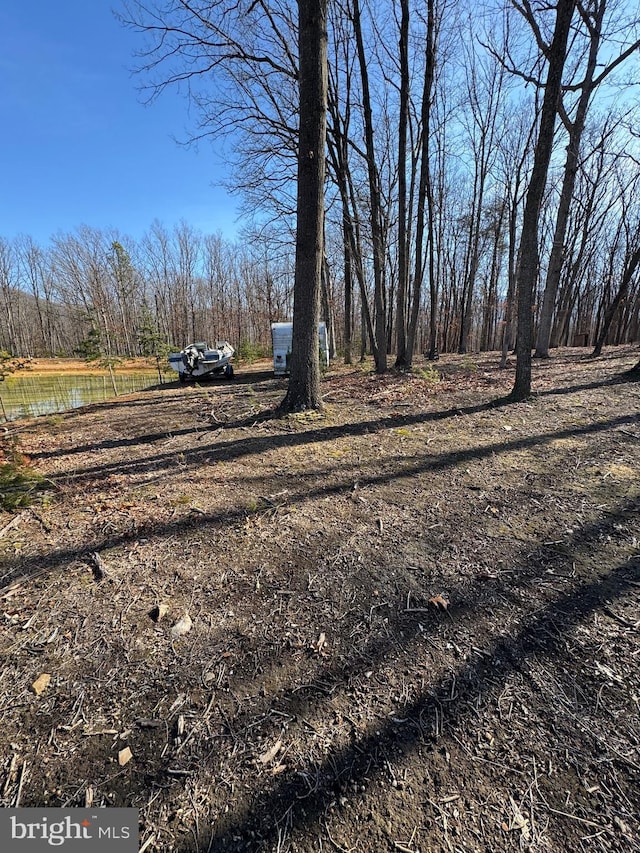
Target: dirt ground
[[407, 623], [80, 367]]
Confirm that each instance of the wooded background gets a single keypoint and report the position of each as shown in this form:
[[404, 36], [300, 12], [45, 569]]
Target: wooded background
[[432, 120]]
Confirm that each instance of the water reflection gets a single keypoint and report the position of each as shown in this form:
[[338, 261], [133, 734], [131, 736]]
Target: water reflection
[[26, 396]]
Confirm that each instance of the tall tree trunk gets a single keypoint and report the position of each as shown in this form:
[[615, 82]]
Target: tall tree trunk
[[433, 353], [380, 352], [529, 252], [337, 144], [403, 247], [327, 308], [304, 381], [348, 296], [425, 196], [576, 129]]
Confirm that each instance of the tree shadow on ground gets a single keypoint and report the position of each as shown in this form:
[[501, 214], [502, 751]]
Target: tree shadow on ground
[[24, 567], [266, 416], [618, 379], [239, 448], [245, 447], [466, 600], [297, 804]]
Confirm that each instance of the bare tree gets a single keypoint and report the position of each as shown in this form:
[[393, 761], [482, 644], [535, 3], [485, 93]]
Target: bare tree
[[9, 327], [485, 94], [36, 267], [593, 17], [425, 200], [632, 262], [340, 144], [529, 250], [377, 233], [304, 381], [403, 230]]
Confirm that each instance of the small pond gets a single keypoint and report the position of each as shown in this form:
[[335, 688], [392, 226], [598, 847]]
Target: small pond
[[25, 395]]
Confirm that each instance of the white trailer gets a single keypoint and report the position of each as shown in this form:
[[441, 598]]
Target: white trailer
[[282, 337]]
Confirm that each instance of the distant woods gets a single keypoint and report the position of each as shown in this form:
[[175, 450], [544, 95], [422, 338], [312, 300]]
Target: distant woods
[[434, 122], [95, 293]]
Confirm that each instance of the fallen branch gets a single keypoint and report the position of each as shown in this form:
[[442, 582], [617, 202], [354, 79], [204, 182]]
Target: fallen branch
[[15, 521]]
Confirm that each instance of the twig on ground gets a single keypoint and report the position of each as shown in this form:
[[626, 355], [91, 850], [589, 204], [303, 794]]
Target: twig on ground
[[335, 843], [23, 774], [149, 841], [619, 619], [572, 816], [196, 726], [10, 773]]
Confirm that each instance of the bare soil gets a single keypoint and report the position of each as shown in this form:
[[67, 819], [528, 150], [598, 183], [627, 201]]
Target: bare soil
[[407, 623]]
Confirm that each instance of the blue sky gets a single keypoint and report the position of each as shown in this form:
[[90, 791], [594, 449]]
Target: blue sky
[[78, 146]]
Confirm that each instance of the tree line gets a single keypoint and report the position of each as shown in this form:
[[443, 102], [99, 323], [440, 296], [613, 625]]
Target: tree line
[[435, 112], [171, 287]]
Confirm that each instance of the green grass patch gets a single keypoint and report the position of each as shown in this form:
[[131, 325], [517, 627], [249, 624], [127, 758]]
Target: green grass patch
[[429, 374], [20, 485]]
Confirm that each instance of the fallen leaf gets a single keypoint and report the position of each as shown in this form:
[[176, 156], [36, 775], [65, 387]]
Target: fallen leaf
[[319, 645], [158, 612], [182, 626], [519, 822], [439, 601], [41, 683], [270, 754], [124, 756]]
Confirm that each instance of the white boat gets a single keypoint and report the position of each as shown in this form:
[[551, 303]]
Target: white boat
[[198, 361]]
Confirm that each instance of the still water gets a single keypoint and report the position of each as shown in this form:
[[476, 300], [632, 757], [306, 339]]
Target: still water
[[26, 396]]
